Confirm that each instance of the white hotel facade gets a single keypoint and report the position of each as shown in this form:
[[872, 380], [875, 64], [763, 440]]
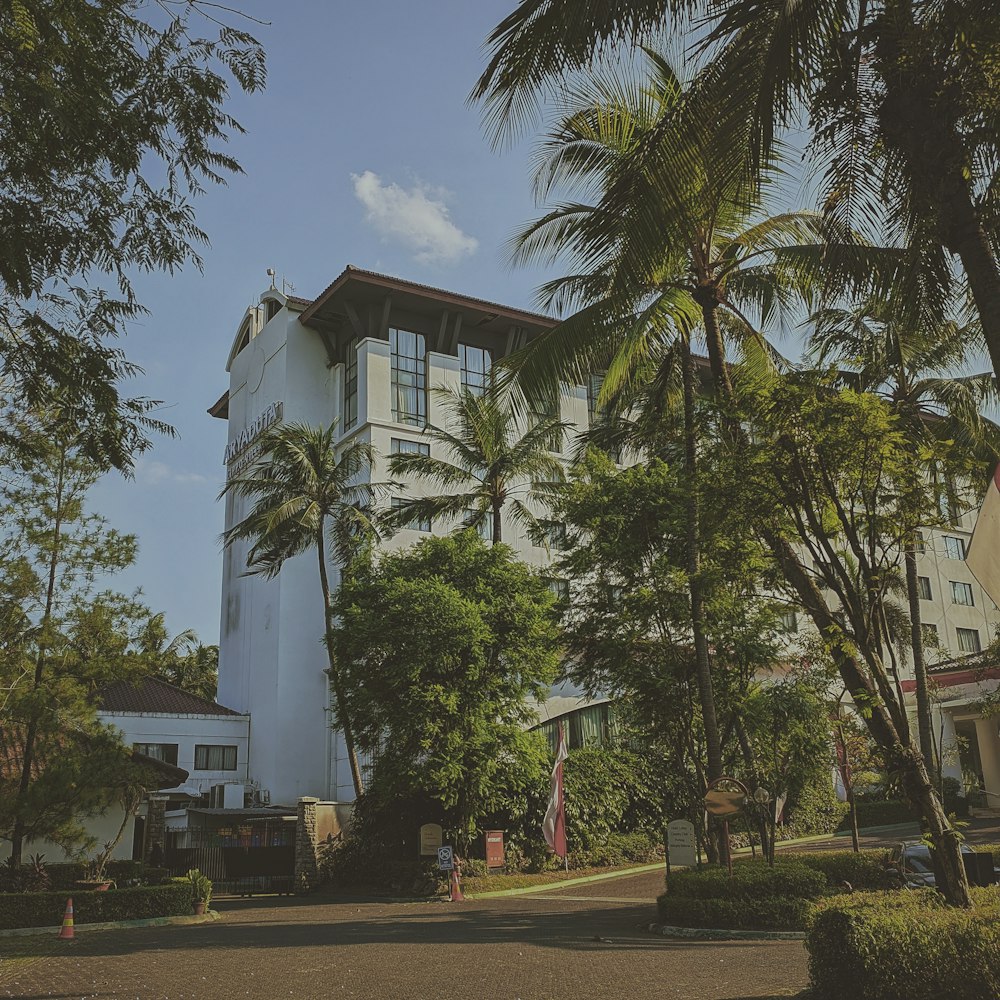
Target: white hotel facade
[[367, 353]]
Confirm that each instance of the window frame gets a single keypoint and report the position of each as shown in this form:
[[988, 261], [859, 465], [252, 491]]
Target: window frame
[[970, 633], [413, 447], [202, 750], [956, 543], [405, 367], [415, 524], [480, 380], [351, 385], [966, 590], [924, 586], [143, 748]]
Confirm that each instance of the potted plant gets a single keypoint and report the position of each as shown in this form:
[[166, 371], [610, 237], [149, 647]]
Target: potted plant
[[94, 877], [201, 890]]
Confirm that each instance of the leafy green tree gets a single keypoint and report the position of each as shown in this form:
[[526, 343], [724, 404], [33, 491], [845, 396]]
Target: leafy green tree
[[181, 660], [62, 641], [304, 496], [891, 354], [491, 464], [441, 646], [112, 120]]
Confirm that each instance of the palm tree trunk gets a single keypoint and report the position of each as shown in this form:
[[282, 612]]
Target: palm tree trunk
[[696, 588], [925, 735], [334, 673], [497, 523], [31, 731]]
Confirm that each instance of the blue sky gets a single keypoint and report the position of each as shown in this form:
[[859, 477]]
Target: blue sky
[[361, 146]]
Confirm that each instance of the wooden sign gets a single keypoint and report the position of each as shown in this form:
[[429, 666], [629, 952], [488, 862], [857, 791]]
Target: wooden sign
[[682, 848], [494, 849], [724, 802], [430, 839]]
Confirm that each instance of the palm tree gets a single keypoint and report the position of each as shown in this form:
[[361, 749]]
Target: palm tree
[[902, 96], [491, 465], [661, 228], [893, 356], [306, 497]]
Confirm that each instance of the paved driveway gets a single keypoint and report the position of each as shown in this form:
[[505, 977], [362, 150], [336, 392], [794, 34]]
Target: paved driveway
[[518, 948]]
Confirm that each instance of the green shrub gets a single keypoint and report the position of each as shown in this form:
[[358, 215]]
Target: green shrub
[[766, 913], [65, 874], [864, 870], [750, 880], [618, 849], [880, 814], [906, 946], [46, 909], [815, 808]]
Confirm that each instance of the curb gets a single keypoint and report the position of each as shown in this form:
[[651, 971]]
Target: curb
[[108, 925], [719, 934]]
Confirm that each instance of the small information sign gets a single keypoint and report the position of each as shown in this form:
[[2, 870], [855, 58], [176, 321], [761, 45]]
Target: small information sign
[[446, 858], [682, 849], [494, 849], [430, 839]]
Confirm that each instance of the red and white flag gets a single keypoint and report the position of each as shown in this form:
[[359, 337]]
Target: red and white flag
[[554, 824], [983, 557]]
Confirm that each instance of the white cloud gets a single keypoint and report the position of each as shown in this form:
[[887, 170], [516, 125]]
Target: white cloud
[[418, 218], [151, 472]]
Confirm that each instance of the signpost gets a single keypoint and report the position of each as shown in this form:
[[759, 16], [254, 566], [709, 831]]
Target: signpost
[[446, 858], [430, 839], [724, 799], [494, 849], [682, 849]]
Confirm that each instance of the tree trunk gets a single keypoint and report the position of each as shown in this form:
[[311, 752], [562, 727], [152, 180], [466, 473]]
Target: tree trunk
[[334, 673], [497, 523], [925, 735], [31, 731], [703, 669]]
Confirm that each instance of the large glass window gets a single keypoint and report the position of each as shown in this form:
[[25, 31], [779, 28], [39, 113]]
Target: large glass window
[[954, 547], [167, 752], [351, 385], [400, 446], [924, 585], [789, 620], [417, 524], [215, 758], [961, 593], [476, 363], [409, 377], [558, 587], [968, 640]]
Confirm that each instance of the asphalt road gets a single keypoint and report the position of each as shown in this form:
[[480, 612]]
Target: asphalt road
[[517, 948]]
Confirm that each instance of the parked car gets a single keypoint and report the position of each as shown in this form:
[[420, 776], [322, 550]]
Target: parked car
[[911, 860]]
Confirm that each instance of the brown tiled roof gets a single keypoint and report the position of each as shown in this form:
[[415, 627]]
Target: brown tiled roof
[[156, 697]]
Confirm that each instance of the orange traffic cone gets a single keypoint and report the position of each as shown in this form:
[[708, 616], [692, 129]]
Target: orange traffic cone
[[66, 931], [455, 893]]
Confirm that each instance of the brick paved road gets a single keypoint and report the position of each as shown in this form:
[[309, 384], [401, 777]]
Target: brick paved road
[[519, 948]]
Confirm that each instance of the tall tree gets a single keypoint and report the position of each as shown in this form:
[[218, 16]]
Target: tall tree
[[305, 497], [494, 463], [891, 354], [112, 120], [181, 660]]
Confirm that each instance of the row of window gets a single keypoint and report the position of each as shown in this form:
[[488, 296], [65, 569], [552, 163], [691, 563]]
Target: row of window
[[961, 593], [207, 757], [968, 638]]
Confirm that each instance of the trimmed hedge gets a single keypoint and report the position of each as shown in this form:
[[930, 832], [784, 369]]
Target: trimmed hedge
[[864, 871], [770, 913], [65, 874], [751, 880], [906, 946], [886, 813], [46, 909]]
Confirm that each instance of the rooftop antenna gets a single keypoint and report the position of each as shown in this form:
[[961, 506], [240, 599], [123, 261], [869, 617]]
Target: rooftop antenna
[[270, 274], [286, 286]]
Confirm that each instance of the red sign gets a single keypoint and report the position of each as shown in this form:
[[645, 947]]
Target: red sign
[[494, 848]]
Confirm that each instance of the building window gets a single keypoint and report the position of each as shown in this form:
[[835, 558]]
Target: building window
[[924, 588], [215, 758], [476, 363], [594, 383], [545, 406], [954, 547], [417, 523], [929, 634], [271, 309], [409, 377], [167, 752], [961, 593], [400, 446], [919, 542], [485, 527], [789, 621], [558, 586], [553, 535], [351, 385], [968, 640]]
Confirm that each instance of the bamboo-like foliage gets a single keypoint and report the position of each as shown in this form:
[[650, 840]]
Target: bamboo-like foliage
[[494, 463]]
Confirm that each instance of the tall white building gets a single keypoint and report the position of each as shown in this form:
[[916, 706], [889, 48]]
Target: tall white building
[[366, 353]]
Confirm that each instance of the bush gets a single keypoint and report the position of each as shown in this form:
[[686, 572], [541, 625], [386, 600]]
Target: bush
[[618, 849], [46, 909], [864, 870], [815, 808], [767, 913], [65, 874], [751, 880], [906, 946]]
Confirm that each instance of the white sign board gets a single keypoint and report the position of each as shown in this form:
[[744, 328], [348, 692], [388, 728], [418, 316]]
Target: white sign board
[[682, 849], [446, 859], [430, 839]]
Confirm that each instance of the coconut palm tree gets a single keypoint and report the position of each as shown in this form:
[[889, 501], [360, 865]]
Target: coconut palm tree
[[901, 95], [891, 354], [492, 465], [663, 236], [306, 497]]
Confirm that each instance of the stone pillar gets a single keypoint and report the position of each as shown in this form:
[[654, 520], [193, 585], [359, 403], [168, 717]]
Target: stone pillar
[[155, 830], [989, 755], [306, 874]]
